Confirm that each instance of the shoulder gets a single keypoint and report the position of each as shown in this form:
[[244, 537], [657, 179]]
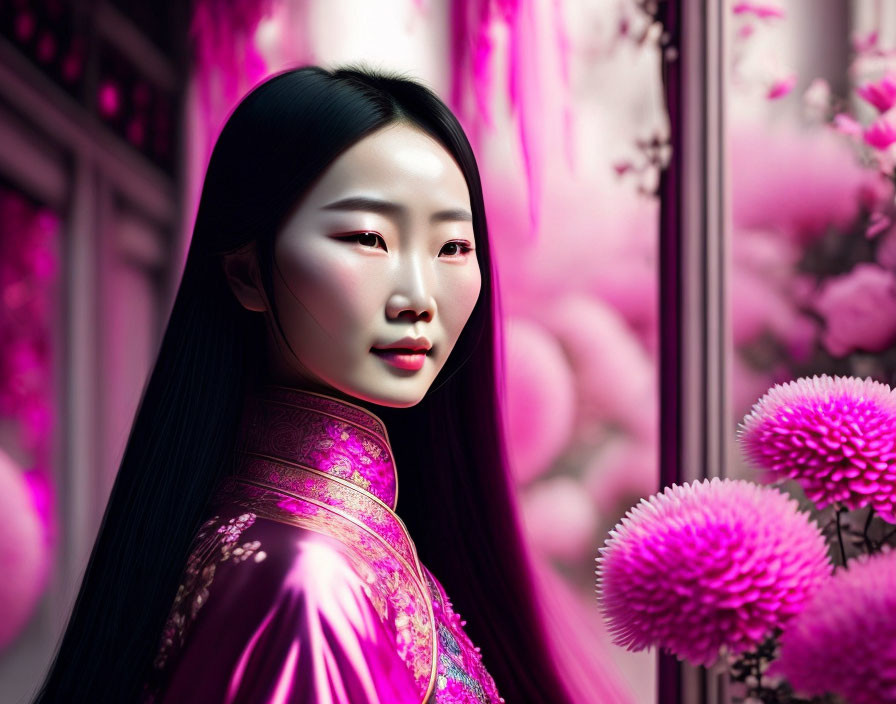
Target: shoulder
[[301, 618], [261, 550], [267, 565]]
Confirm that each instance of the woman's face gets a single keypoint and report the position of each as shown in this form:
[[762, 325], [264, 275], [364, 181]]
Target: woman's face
[[379, 253]]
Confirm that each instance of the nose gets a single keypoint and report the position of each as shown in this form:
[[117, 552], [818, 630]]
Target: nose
[[413, 294]]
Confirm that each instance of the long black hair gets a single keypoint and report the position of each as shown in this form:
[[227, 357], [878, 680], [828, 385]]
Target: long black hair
[[456, 496]]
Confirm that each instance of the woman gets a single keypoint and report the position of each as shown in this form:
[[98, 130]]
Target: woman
[[341, 216]]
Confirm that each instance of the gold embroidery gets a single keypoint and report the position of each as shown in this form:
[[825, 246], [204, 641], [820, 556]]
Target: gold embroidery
[[341, 466], [199, 573], [371, 448], [359, 479]]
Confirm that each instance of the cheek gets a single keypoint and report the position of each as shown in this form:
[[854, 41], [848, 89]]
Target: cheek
[[329, 292], [460, 297]]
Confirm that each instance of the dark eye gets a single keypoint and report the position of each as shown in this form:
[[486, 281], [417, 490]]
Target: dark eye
[[457, 248], [367, 239]]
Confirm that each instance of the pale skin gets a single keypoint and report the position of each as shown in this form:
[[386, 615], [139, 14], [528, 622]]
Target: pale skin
[[355, 276]]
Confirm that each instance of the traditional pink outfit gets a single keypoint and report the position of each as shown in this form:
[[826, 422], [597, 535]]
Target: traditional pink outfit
[[303, 586]]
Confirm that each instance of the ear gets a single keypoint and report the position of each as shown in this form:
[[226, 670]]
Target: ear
[[243, 277]]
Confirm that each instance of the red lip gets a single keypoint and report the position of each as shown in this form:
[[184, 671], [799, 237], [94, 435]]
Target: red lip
[[409, 350], [402, 358], [407, 344]]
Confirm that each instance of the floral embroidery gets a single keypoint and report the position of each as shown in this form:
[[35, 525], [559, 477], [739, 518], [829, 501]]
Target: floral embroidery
[[358, 479], [373, 450], [192, 592], [323, 434]]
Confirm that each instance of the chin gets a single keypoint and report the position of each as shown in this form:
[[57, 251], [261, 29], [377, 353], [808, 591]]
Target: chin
[[393, 398], [395, 401]]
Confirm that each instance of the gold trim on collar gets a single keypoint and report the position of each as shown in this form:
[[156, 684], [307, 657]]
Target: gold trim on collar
[[258, 396]]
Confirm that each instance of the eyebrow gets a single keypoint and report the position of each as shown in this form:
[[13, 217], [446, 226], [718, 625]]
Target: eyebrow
[[388, 208]]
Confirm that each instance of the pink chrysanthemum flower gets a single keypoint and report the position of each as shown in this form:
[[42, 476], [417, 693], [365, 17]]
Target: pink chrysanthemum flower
[[834, 436], [710, 565], [844, 640]]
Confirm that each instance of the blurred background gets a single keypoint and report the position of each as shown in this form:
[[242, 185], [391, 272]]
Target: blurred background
[[108, 113]]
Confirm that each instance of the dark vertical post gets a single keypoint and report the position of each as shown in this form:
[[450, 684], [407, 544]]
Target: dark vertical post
[[695, 424]]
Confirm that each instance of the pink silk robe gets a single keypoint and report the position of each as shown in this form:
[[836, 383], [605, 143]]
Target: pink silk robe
[[303, 586]]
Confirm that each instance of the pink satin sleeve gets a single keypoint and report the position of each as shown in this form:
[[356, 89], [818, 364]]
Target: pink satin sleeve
[[297, 628]]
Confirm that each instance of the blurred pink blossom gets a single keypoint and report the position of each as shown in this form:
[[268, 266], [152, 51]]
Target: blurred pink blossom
[[541, 398], [817, 96], [763, 272], [615, 380], [876, 191], [627, 282], [800, 337], [706, 566], [797, 183], [767, 254], [624, 470], [877, 224], [37, 420], [881, 94], [847, 125], [25, 24], [599, 240], [42, 492], [880, 134], [802, 288], [560, 518], [22, 552], [864, 43], [843, 641], [760, 9], [833, 436], [108, 98], [858, 309], [757, 306], [781, 87], [886, 250]]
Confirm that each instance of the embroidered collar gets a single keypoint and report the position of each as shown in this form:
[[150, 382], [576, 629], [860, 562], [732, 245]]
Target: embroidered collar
[[325, 464], [321, 433]]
